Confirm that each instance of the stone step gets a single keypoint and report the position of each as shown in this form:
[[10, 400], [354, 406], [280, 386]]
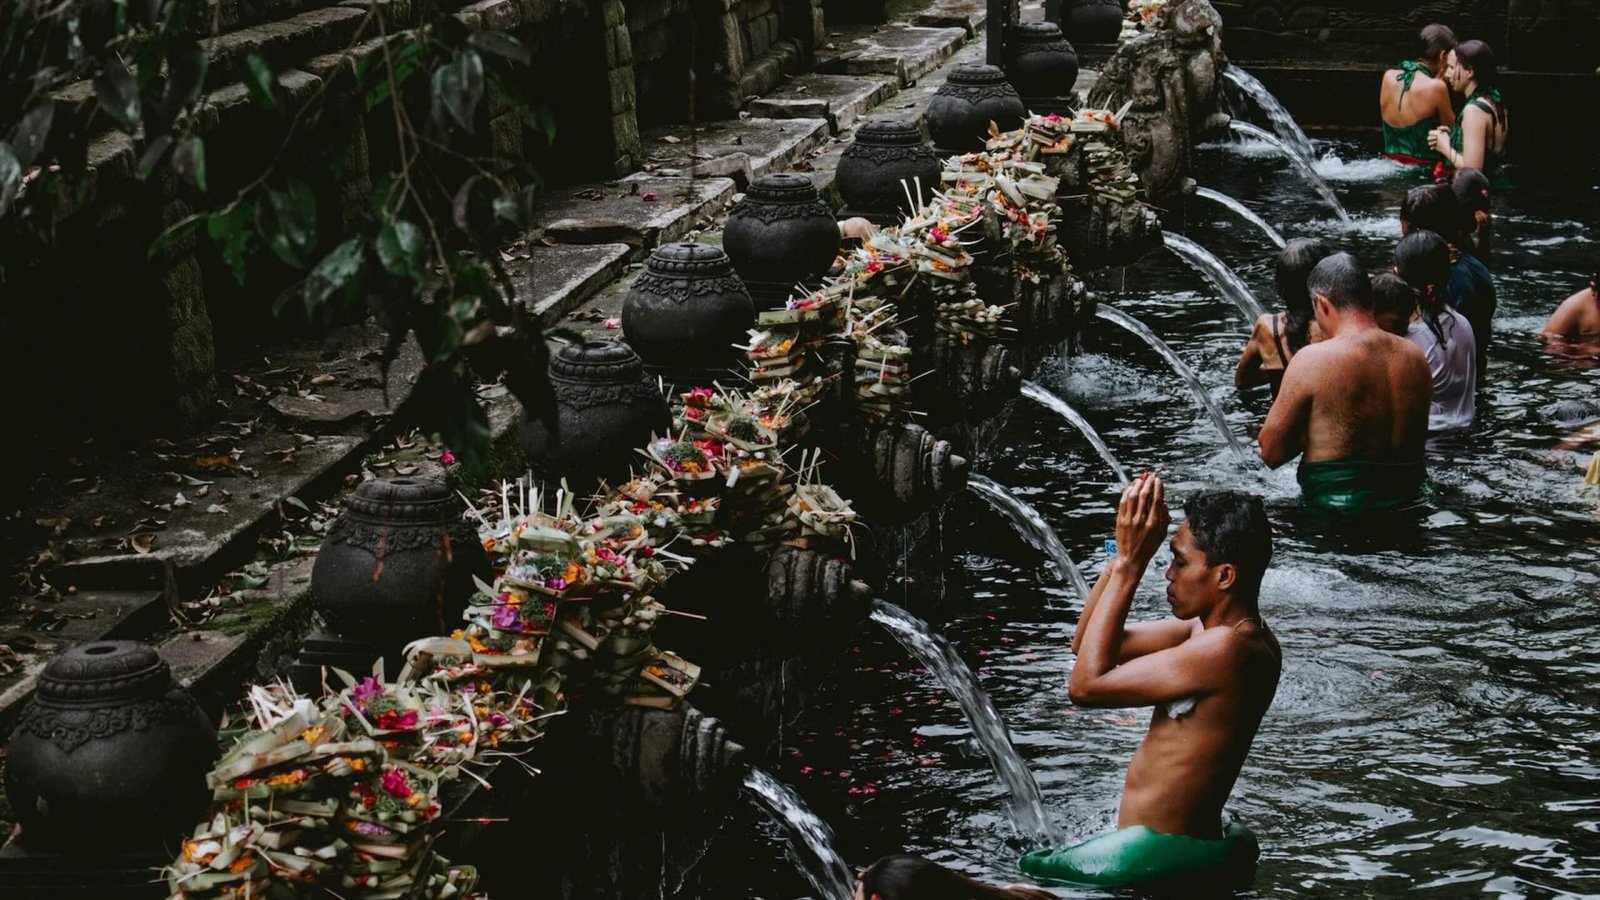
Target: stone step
[[967, 14], [553, 281], [642, 211], [841, 99], [741, 149], [906, 52]]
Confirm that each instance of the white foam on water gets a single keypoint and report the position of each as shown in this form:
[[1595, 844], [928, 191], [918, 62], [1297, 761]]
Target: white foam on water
[[1376, 168]]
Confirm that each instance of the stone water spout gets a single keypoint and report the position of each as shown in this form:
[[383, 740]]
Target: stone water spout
[[1172, 76], [665, 757]]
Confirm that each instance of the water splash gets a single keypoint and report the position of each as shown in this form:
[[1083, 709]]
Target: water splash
[[1244, 212], [1361, 169], [1064, 409], [810, 846], [1030, 524], [1203, 396], [1217, 272], [921, 641], [1283, 124], [1304, 165]]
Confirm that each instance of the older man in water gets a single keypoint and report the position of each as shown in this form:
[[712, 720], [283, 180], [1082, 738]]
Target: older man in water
[[1353, 407], [1210, 672]]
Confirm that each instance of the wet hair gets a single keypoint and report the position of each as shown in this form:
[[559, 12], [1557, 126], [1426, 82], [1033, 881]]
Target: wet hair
[[1437, 40], [906, 876], [1472, 190], [1341, 279], [1295, 263], [1433, 207], [1232, 527], [1392, 296], [1572, 413], [1422, 258], [1477, 56]]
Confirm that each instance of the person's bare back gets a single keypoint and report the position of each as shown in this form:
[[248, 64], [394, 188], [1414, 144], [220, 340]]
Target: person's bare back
[[1361, 395], [1578, 317], [1356, 404]]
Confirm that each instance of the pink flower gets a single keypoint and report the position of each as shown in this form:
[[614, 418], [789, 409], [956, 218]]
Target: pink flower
[[395, 784], [556, 584], [649, 196], [447, 458], [369, 688]]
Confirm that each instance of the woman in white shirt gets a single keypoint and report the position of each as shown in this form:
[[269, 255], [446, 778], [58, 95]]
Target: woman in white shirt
[[1422, 259]]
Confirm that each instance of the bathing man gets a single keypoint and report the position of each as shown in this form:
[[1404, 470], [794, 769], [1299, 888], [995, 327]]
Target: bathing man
[[1210, 672], [1356, 404]]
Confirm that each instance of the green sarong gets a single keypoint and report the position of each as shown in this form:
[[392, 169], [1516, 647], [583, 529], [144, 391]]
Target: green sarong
[[1138, 854], [1360, 485]]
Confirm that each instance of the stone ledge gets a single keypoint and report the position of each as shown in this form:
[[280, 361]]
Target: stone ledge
[[841, 99], [970, 15], [554, 281], [770, 145], [906, 52], [642, 212]]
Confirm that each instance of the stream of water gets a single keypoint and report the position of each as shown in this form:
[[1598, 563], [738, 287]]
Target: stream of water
[[1217, 272], [809, 844], [1032, 527], [1243, 212], [1064, 409], [947, 667], [1301, 164], [1283, 124]]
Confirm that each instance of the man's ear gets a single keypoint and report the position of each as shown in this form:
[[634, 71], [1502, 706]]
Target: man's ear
[[1226, 575]]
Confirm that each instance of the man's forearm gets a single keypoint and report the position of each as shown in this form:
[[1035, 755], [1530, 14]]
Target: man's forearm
[[1090, 604], [1101, 639]]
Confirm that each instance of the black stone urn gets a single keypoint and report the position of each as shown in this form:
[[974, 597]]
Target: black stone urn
[[606, 409], [397, 565], [973, 96], [687, 312], [1088, 21], [1042, 66], [781, 234], [886, 151], [110, 756]]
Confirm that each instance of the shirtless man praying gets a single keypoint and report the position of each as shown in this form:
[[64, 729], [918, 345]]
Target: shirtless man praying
[[1210, 671], [1355, 404]]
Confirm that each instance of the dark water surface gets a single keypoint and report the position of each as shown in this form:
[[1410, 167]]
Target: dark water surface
[[1437, 726]]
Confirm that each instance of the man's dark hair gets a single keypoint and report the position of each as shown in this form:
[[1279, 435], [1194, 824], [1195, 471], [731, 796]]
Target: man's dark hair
[[1437, 40], [1341, 279], [1295, 263], [1433, 207], [1232, 527]]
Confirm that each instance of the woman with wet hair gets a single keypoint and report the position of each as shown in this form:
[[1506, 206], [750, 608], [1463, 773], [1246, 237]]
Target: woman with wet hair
[[1477, 140], [1422, 259], [906, 876], [1471, 290], [1472, 190], [1413, 100], [1277, 337]]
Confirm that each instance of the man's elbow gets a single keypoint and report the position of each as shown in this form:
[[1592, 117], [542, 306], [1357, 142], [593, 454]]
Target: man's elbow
[[1271, 452], [1081, 692]]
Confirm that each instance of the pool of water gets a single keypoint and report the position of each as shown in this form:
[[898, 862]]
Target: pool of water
[[1437, 724]]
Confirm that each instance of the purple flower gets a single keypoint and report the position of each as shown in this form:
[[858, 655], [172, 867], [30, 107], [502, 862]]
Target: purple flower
[[369, 688], [504, 617]]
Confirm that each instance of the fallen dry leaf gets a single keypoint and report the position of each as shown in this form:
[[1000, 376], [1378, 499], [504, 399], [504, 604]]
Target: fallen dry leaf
[[180, 501], [672, 140], [220, 461], [305, 438], [142, 542], [324, 379], [56, 524], [407, 469], [216, 508]]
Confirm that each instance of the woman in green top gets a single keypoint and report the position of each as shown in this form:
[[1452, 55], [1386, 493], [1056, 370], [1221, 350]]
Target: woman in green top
[[1478, 138], [1414, 100]]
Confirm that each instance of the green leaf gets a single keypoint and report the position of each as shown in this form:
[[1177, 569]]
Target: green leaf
[[405, 62], [473, 208], [546, 123], [400, 249], [258, 79], [189, 161], [230, 233], [10, 176], [153, 155], [30, 135], [288, 221], [458, 88], [501, 44], [333, 273], [118, 93]]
